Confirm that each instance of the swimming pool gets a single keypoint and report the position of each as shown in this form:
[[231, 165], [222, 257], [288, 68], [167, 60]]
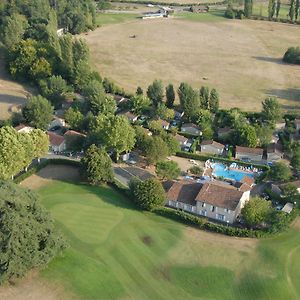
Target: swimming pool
[[220, 170]]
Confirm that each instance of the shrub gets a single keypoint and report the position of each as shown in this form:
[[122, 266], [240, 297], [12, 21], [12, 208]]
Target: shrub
[[292, 55]]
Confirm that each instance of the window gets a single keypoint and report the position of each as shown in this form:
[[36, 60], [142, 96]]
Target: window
[[203, 213], [220, 217], [203, 204], [212, 208], [227, 210]]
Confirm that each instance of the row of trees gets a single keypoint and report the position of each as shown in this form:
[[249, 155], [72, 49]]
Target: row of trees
[[19, 149]]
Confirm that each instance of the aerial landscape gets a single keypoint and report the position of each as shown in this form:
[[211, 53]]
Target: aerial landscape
[[149, 149]]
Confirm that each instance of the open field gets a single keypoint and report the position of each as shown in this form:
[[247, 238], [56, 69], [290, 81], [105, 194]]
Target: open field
[[114, 18], [12, 94], [117, 252], [242, 59]]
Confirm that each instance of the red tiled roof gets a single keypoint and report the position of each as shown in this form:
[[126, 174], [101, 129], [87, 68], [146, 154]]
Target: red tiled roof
[[55, 139], [247, 150], [163, 122], [184, 191], [220, 195], [248, 180]]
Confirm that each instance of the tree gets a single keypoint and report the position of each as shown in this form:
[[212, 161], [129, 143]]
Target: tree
[[295, 161], [40, 143], [170, 95], [139, 91], [117, 134], [155, 92], [214, 101], [141, 137], [272, 9], [96, 166], [155, 126], [139, 103], [271, 110], [38, 112], [12, 154], [55, 89], [27, 234], [278, 5], [147, 194], [204, 120], [204, 97], [280, 172], [264, 134], [195, 170], [74, 118], [163, 112], [167, 170], [189, 100], [248, 7], [245, 135], [14, 27], [102, 105], [297, 9], [292, 10], [172, 144], [256, 211], [155, 150]]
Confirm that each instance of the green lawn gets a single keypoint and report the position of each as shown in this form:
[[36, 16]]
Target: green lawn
[[114, 18], [117, 252]]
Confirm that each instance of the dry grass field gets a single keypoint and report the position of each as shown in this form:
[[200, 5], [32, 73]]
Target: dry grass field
[[12, 94], [242, 59]]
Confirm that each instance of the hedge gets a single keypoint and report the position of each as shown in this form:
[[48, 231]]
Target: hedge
[[226, 160], [204, 224]]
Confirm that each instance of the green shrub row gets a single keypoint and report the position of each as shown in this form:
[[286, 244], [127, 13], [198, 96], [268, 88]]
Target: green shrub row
[[204, 224], [221, 159]]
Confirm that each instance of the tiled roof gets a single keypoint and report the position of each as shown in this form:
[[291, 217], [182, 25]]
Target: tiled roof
[[225, 196], [248, 180], [55, 139], [180, 138], [224, 130], [247, 150], [186, 125], [74, 133], [212, 143], [163, 122], [184, 191]]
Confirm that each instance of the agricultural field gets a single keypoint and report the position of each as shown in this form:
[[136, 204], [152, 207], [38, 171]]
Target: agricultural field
[[12, 94], [242, 59], [117, 252]]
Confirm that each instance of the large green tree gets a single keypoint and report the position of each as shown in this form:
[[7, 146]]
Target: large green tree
[[13, 29], [28, 238], [272, 111], [189, 100], [167, 170], [147, 194], [97, 166], [156, 149], [170, 95], [38, 112], [256, 211], [155, 92], [280, 172]]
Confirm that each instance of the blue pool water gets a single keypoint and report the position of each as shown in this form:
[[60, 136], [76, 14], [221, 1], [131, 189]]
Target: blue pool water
[[220, 170]]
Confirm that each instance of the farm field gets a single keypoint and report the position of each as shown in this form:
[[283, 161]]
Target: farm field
[[242, 59], [12, 94], [117, 252]]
